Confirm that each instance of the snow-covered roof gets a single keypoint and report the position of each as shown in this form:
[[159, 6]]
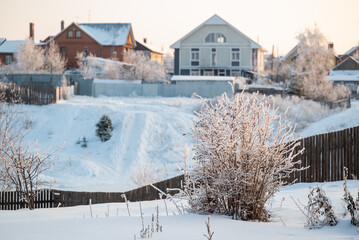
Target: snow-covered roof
[[344, 78], [11, 46], [344, 72], [103, 61], [107, 34], [350, 50], [216, 20], [201, 78], [110, 81], [2, 40], [289, 53]]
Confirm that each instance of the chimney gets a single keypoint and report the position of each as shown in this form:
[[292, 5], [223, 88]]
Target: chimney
[[32, 31], [62, 25], [331, 46], [144, 40]]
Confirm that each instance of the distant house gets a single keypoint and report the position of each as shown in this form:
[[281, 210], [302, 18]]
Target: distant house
[[216, 48], [346, 73], [290, 57], [8, 50], [354, 51], [105, 40], [151, 54]]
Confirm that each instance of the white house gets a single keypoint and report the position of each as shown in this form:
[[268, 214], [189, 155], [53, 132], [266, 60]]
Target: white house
[[216, 48]]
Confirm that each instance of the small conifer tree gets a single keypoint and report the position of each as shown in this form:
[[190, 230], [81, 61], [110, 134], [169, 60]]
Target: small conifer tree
[[104, 128]]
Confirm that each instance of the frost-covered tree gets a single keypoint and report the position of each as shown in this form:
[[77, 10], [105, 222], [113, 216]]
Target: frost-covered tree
[[29, 58], [144, 68], [104, 128], [87, 66], [54, 62], [312, 65], [352, 206], [111, 70], [241, 161]]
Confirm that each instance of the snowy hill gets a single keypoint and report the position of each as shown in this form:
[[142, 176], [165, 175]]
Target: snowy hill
[[149, 136], [148, 133]]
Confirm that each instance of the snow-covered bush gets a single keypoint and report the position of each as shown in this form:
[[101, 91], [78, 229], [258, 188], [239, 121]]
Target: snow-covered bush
[[144, 68], [319, 209], [352, 207], [104, 128], [144, 174], [241, 161]]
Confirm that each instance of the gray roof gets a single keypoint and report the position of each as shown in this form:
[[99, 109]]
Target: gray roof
[[107, 34], [10, 46]]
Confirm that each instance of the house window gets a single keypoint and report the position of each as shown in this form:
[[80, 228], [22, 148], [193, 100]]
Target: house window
[[235, 73], [214, 57], [208, 72], [215, 38], [8, 59], [235, 57], [86, 51], [78, 34], [70, 34], [195, 72], [63, 51], [195, 57]]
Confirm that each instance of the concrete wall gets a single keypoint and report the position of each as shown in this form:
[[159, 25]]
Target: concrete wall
[[208, 89]]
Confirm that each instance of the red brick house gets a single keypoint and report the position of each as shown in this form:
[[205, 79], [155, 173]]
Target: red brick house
[[105, 40]]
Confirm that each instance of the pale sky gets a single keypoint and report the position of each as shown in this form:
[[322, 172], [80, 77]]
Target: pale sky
[[163, 22]]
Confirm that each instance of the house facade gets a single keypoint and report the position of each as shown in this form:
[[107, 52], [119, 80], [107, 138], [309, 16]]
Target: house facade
[[352, 52], [8, 50], [216, 48], [151, 54], [107, 40]]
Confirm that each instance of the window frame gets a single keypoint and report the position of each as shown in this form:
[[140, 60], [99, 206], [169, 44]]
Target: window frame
[[213, 57], [234, 60], [68, 34], [8, 59], [63, 51], [214, 37], [78, 34]]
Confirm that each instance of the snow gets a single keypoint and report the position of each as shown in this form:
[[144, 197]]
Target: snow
[[108, 34], [287, 222], [10, 46], [111, 81], [150, 132], [344, 78], [202, 78]]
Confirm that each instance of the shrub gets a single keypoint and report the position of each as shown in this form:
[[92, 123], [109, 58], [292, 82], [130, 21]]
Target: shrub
[[241, 161], [104, 128]]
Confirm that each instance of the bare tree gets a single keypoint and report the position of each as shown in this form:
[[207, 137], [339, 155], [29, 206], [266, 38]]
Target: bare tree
[[312, 66], [54, 62], [21, 169], [30, 58], [241, 160]]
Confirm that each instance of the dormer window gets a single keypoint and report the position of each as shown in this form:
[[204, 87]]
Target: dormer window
[[70, 34], [78, 34], [215, 38]]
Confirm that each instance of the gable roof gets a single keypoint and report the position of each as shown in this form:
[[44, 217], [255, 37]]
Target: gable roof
[[142, 47], [215, 20], [108, 34], [105, 34], [350, 50], [350, 62], [10, 46], [289, 53]]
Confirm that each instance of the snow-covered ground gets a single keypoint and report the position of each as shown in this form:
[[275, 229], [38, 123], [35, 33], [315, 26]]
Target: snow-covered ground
[[287, 221], [149, 133]]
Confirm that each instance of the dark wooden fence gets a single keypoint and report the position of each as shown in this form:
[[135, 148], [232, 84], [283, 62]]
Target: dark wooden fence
[[325, 157], [327, 154], [12, 200], [34, 93]]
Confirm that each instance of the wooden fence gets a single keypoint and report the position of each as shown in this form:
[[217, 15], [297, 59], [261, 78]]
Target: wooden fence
[[327, 154], [324, 158], [35, 93]]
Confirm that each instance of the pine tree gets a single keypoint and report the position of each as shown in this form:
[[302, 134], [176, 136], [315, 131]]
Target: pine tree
[[104, 128]]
